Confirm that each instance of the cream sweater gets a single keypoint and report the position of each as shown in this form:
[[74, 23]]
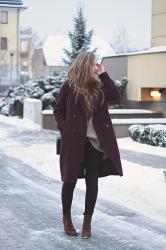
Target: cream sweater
[[92, 136]]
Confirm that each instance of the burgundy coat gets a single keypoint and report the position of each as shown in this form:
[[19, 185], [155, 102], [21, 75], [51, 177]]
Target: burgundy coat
[[72, 123]]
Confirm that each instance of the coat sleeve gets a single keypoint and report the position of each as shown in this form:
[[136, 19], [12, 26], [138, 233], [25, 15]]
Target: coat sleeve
[[59, 109], [111, 91]]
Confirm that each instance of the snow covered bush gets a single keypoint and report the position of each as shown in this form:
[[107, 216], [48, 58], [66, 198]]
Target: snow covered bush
[[149, 134], [48, 100], [45, 89]]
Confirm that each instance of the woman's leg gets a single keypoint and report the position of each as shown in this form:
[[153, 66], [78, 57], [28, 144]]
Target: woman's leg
[[67, 196], [93, 160]]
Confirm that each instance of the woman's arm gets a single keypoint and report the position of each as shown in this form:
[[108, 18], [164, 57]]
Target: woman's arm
[[111, 91], [59, 109]]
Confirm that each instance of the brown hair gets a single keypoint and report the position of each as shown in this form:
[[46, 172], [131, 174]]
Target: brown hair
[[84, 82]]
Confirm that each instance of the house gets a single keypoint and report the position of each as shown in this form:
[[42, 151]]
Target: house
[[40, 67], [9, 42], [158, 37], [47, 60], [26, 52], [145, 70]]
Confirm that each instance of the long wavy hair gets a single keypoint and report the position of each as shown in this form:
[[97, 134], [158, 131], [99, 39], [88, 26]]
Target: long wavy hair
[[83, 81]]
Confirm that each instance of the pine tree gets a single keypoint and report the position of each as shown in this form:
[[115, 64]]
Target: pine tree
[[80, 39]]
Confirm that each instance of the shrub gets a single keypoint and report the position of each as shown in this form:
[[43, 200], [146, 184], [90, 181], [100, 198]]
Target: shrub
[[45, 89], [149, 134]]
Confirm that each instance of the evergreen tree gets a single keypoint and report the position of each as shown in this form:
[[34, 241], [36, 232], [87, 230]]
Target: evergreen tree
[[80, 38]]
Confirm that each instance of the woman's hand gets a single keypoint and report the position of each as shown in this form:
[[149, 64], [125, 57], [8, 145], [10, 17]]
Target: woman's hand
[[99, 68]]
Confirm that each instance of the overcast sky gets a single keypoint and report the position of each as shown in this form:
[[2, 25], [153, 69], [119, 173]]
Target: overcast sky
[[103, 16]]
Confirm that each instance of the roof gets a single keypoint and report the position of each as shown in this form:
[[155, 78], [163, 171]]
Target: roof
[[54, 45], [25, 33], [12, 4], [158, 49]]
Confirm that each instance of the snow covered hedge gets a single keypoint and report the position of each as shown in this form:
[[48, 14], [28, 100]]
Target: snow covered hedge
[[45, 89], [149, 134]]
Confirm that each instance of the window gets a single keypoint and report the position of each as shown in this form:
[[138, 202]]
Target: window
[[4, 17], [3, 70], [3, 44], [25, 66], [24, 46]]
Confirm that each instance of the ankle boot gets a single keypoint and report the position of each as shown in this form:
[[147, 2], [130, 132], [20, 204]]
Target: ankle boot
[[86, 227], [68, 225]]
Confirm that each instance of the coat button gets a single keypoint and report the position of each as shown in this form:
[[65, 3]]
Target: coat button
[[74, 116], [107, 125], [73, 130]]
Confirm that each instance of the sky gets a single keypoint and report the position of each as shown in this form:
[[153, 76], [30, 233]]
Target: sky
[[104, 17]]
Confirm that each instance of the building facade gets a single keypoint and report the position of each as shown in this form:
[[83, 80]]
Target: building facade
[[145, 70], [40, 68], [158, 23], [9, 42], [26, 53]]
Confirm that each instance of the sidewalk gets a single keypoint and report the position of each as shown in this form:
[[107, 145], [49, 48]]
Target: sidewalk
[[37, 148]]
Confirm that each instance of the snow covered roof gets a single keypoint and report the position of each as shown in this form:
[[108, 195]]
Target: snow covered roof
[[26, 32], [157, 49], [54, 45], [12, 4]]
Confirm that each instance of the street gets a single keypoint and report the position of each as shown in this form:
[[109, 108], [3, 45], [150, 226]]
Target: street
[[30, 210]]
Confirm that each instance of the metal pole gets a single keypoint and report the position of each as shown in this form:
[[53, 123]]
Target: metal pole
[[11, 67]]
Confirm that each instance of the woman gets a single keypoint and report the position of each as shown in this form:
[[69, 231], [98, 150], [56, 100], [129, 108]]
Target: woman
[[88, 147]]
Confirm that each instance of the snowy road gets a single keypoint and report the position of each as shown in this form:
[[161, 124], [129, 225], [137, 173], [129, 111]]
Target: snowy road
[[30, 216], [143, 158], [30, 208]]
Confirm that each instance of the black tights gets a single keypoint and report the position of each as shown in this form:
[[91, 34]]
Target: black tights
[[93, 159]]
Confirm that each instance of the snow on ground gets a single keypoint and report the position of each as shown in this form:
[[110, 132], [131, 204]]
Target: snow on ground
[[21, 123], [129, 144], [139, 121], [117, 111], [142, 189], [130, 111]]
